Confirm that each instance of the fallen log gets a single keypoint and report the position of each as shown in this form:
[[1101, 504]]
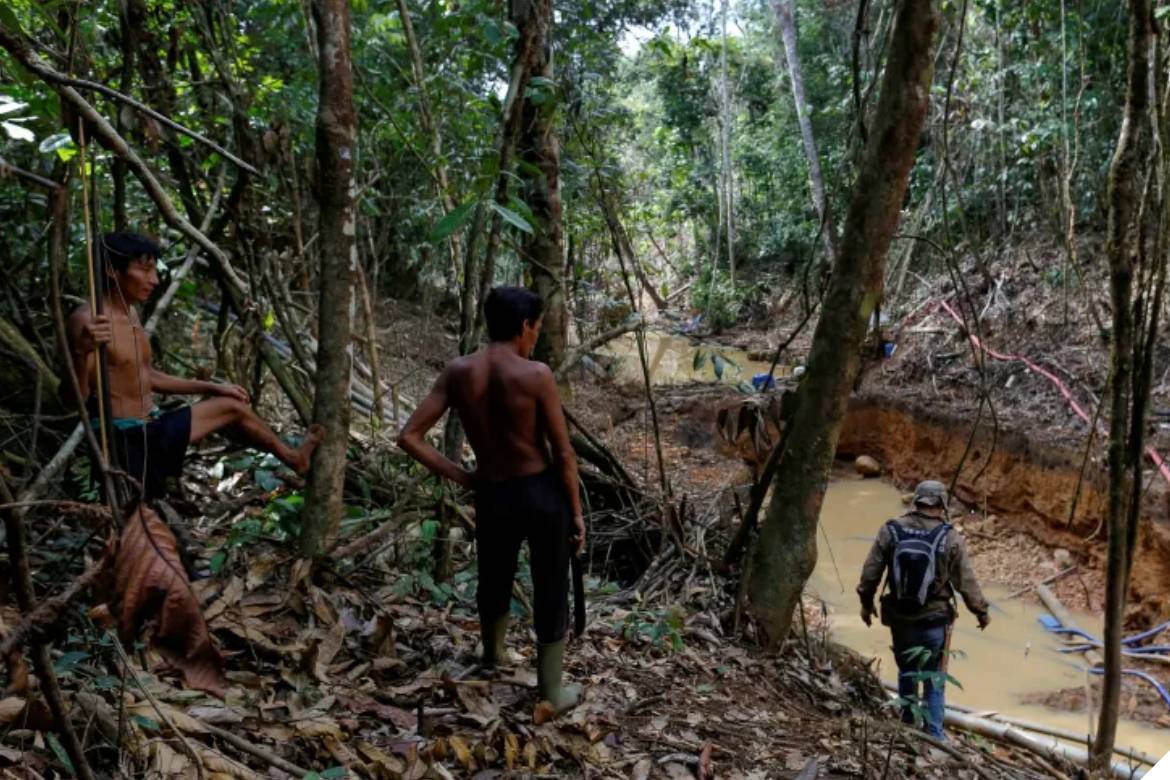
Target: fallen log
[[1041, 728], [1052, 750], [1132, 754]]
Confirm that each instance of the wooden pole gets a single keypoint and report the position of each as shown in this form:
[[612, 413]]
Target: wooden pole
[[1059, 612], [95, 302]]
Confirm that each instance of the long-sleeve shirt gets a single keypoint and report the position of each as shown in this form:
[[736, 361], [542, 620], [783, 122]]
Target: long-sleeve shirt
[[952, 572]]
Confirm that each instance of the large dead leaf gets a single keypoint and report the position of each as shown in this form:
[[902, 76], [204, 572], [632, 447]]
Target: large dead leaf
[[150, 580]]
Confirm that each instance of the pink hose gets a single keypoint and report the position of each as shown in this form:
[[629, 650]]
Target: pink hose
[[1060, 385]]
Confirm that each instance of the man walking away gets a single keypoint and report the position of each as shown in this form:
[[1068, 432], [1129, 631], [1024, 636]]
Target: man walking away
[[525, 480], [925, 561]]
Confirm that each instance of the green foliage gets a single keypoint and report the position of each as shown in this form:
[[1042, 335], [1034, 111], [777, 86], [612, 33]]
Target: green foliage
[[663, 629], [920, 656]]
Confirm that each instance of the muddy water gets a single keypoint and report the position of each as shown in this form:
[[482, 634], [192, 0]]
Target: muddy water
[[672, 361], [1014, 656]]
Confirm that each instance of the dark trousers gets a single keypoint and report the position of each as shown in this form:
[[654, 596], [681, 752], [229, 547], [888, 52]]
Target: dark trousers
[[915, 668], [506, 513]]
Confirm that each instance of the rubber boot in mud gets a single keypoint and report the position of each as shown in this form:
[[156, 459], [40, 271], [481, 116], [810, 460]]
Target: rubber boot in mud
[[550, 664], [493, 633]]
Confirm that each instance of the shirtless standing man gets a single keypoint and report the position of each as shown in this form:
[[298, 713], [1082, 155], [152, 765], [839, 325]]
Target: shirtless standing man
[[147, 443], [525, 482]]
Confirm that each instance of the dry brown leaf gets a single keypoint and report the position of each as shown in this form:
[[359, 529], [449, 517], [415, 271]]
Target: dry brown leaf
[[318, 727], [641, 770], [340, 752], [462, 751], [218, 765], [331, 643], [543, 713], [477, 705], [23, 714], [218, 716], [511, 750], [150, 580], [10, 708], [362, 705], [228, 598], [180, 720], [391, 766], [17, 672], [167, 762]]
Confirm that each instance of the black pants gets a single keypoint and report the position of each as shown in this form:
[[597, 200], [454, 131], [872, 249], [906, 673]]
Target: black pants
[[533, 508], [153, 452]]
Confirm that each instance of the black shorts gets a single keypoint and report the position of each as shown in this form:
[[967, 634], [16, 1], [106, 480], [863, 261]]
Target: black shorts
[[153, 453], [535, 508]]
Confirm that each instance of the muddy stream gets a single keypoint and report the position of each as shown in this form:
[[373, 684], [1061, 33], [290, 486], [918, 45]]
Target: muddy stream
[[672, 361], [1013, 657]]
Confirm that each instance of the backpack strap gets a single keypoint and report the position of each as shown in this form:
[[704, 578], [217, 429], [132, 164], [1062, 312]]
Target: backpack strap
[[892, 525]]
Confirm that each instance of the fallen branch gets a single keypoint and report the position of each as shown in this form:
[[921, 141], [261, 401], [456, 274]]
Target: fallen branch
[[592, 344], [255, 750], [1029, 588], [48, 612]]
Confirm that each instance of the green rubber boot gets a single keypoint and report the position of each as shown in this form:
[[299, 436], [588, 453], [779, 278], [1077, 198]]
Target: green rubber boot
[[550, 663], [493, 633]]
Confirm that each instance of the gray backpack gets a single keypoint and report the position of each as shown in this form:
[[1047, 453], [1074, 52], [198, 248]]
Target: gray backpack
[[913, 563]]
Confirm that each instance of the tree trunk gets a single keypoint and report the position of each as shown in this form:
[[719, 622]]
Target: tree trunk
[[1123, 235], [785, 20], [786, 549], [336, 138], [621, 242], [539, 149], [510, 116], [442, 179], [727, 177]]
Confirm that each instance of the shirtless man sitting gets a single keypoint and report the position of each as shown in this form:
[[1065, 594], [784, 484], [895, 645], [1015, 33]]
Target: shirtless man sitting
[[510, 410], [147, 443]]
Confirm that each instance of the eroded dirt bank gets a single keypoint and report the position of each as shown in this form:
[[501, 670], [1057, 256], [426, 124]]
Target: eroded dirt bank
[[1027, 481]]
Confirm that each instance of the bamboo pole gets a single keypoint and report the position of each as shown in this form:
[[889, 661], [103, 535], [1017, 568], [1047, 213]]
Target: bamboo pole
[[1053, 750], [95, 308]]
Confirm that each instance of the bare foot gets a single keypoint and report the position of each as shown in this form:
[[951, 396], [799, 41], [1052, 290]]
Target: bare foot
[[303, 455]]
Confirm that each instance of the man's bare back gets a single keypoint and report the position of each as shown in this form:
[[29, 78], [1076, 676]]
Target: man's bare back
[[497, 395]]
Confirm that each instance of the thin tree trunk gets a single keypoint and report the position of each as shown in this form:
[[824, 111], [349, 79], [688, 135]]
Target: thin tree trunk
[[622, 245], [539, 149], [786, 549], [727, 177], [785, 20], [372, 345], [336, 139], [505, 151], [442, 178], [1123, 236]]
